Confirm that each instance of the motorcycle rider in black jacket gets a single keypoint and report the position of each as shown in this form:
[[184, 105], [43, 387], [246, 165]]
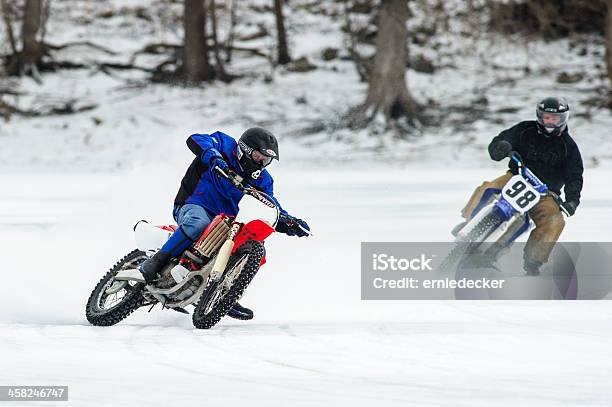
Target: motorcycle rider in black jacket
[[548, 150]]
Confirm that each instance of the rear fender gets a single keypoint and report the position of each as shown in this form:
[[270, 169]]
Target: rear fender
[[149, 237]]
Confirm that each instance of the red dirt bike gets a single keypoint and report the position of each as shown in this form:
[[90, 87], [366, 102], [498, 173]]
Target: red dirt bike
[[212, 274]]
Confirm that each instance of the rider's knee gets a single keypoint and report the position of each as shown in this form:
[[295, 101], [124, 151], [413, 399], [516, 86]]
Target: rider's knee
[[484, 186], [194, 225], [554, 222], [557, 221]]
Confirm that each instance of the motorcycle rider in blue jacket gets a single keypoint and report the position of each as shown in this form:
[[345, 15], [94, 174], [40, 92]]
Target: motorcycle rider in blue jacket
[[203, 194]]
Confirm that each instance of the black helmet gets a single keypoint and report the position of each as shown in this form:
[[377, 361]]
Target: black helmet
[[552, 114], [257, 148]]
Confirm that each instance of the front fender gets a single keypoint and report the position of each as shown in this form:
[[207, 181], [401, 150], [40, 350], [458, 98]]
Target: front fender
[[505, 209], [254, 230]]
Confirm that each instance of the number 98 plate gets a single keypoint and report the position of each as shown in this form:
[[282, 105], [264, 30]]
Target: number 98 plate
[[520, 194]]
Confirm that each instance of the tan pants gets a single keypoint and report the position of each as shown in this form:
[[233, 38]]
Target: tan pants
[[546, 216]]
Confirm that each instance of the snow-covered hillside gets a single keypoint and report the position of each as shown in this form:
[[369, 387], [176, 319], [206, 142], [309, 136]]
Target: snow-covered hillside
[[481, 85]]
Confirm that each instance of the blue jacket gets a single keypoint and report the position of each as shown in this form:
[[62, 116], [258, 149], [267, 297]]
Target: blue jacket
[[200, 186]]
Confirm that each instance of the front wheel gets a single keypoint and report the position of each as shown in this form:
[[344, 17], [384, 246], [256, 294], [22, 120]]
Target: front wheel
[[220, 296], [479, 233], [107, 304]]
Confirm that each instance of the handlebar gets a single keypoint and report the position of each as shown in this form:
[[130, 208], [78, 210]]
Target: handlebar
[[559, 202], [238, 180], [516, 157], [526, 173], [233, 177]]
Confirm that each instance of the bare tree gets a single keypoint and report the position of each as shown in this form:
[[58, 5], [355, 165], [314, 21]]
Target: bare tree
[[222, 74], [46, 12], [28, 58], [363, 65], [283, 50], [33, 49], [7, 17], [196, 65], [387, 87], [609, 39], [232, 31]]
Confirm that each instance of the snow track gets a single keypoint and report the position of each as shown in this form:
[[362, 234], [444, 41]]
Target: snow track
[[469, 363], [313, 341]]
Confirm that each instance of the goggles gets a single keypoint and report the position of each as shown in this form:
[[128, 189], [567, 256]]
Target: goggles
[[260, 158], [553, 120]]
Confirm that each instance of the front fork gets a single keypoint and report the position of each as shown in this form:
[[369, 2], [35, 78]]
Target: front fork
[[509, 219], [506, 230], [224, 253], [463, 234]]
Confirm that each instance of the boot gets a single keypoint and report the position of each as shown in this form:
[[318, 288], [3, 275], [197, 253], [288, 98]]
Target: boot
[[176, 244], [532, 267], [239, 312], [151, 267]]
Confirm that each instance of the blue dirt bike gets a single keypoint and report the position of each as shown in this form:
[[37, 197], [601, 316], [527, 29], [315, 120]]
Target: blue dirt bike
[[500, 217]]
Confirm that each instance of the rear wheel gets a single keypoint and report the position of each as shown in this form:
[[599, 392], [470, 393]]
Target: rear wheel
[[220, 296], [112, 301]]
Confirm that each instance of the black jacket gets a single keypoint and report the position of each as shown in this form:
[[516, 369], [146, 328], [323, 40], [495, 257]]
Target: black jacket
[[555, 160]]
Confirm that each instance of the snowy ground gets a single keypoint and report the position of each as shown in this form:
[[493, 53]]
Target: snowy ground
[[313, 340]]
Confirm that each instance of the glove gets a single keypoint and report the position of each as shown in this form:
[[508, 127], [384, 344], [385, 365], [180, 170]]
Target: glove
[[219, 163], [500, 150], [214, 159], [570, 207], [210, 155], [290, 226]]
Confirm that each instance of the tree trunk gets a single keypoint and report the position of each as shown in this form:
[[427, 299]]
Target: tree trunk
[[32, 51], [230, 36], [46, 12], [216, 51], [196, 66], [7, 16], [387, 88], [28, 59], [361, 63], [609, 39], [283, 51]]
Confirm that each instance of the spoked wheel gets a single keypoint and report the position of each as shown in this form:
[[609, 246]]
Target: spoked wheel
[[112, 301], [220, 296], [476, 236]]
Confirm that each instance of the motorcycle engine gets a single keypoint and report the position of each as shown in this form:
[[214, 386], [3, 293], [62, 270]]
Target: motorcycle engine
[[165, 277], [209, 244], [203, 250], [188, 291]]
